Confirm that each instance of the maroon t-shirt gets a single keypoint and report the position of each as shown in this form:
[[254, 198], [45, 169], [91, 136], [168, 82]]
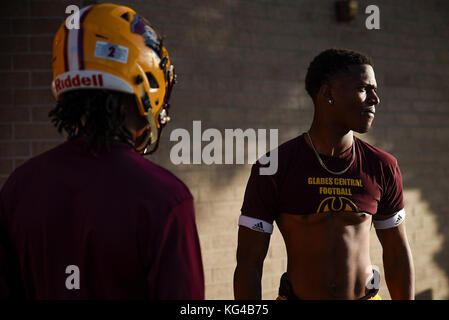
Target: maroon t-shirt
[[73, 226], [373, 183]]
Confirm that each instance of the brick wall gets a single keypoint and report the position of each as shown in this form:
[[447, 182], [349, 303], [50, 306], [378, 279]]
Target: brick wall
[[241, 64]]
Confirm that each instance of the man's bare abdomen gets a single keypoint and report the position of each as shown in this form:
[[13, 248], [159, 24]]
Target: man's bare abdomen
[[328, 254]]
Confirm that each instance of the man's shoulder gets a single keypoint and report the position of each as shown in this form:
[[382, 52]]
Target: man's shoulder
[[281, 154], [291, 145], [164, 180], [375, 153], [25, 174], [35, 163], [287, 149]]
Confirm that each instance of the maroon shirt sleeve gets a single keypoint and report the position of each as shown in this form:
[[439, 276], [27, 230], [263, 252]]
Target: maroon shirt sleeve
[[178, 270], [261, 194], [391, 200]]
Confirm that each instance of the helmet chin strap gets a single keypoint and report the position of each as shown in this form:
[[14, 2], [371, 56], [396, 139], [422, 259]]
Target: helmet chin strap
[[155, 145], [142, 142], [149, 138]]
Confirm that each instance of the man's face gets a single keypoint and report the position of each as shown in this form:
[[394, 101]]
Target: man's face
[[355, 98]]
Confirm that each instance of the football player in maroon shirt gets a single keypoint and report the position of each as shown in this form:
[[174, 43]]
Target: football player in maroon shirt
[[92, 218], [329, 189]]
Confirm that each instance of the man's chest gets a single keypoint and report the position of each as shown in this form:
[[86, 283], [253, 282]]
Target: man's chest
[[314, 192]]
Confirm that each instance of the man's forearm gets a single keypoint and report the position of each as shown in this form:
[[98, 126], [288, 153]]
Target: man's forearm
[[400, 274], [247, 283]]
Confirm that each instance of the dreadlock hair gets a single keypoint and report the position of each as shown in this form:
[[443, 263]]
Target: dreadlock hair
[[97, 115], [329, 63]]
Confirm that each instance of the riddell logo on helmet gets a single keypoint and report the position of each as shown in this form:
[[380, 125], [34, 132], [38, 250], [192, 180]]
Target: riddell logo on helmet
[[95, 80]]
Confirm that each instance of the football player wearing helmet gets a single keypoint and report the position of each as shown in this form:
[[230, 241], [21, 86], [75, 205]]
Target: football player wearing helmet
[[92, 218], [330, 187]]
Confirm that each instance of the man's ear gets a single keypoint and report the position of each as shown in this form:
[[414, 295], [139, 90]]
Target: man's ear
[[325, 94]]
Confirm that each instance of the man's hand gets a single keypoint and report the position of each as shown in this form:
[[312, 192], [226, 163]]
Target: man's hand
[[251, 252], [398, 262]]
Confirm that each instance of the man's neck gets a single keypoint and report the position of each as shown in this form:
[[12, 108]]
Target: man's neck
[[330, 141]]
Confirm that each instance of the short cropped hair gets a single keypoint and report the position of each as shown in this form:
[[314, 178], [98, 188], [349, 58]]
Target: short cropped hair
[[329, 63]]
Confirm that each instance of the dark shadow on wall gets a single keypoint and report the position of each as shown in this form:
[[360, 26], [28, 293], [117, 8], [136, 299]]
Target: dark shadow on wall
[[413, 122], [424, 172], [424, 295]]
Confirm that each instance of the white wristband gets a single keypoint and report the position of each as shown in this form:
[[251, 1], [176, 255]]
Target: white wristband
[[255, 224], [391, 222]]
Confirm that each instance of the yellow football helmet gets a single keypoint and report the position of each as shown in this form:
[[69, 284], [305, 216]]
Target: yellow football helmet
[[115, 49]]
